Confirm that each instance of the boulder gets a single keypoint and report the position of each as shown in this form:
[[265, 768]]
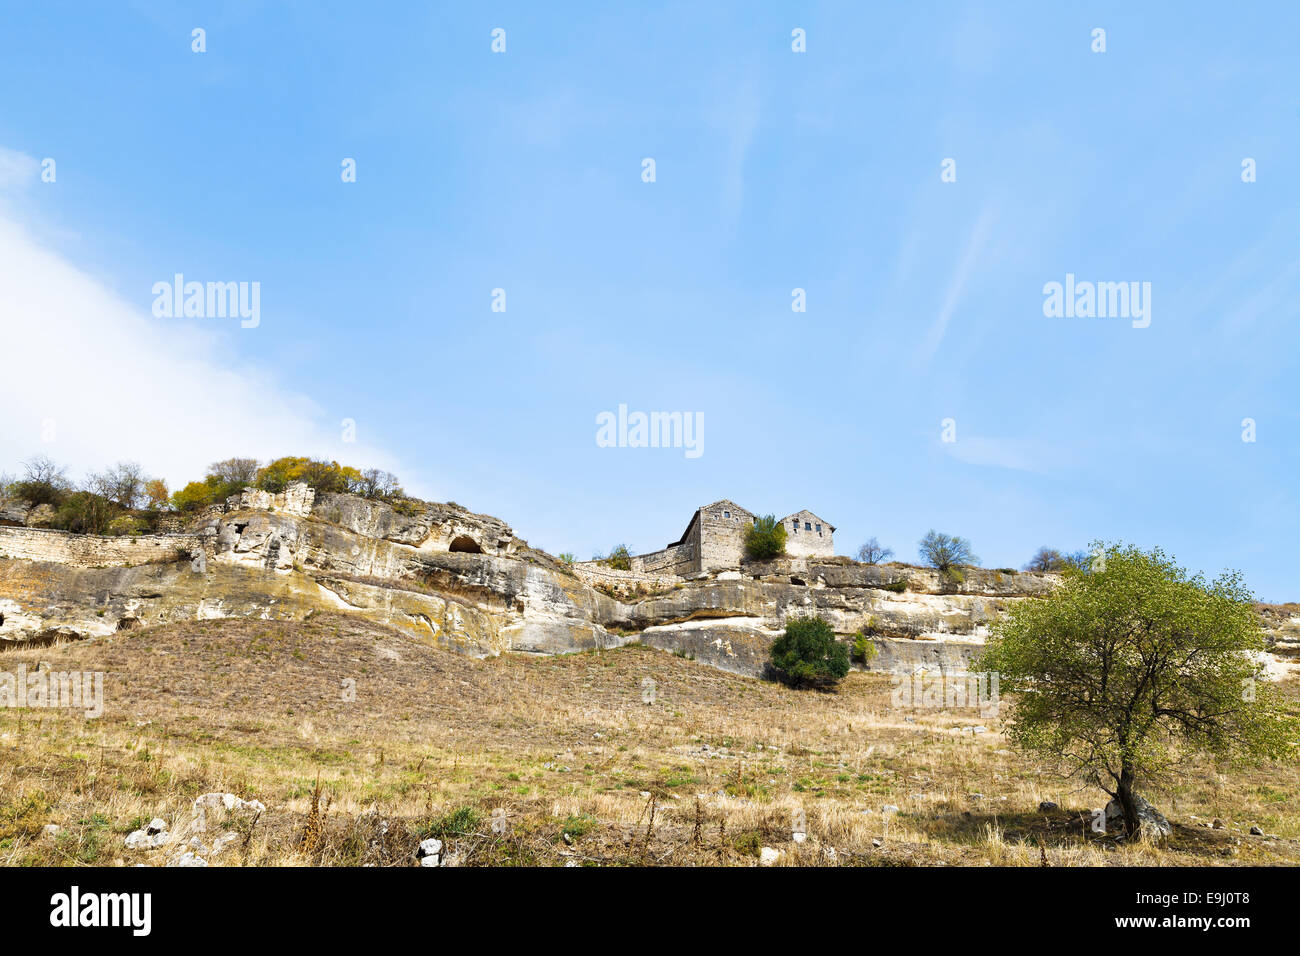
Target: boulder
[[429, 852], [1152, 824]]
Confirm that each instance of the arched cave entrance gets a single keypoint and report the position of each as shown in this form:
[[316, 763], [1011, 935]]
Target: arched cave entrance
[[464, 542]]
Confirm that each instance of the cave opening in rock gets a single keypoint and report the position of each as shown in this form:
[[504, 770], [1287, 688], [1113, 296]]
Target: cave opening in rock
[[464, 542]]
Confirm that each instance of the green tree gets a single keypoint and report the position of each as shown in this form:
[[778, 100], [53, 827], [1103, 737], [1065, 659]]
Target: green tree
[[765, 539], [808, 653], [1128, 667]]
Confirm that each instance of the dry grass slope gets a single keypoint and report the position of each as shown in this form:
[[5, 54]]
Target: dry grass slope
[[563, 749]]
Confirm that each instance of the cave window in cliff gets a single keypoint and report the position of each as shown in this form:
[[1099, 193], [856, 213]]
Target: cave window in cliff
[[465, 543]]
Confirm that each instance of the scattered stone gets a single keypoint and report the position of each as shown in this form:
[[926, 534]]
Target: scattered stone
[[1256, 831], [429, 852], [1217, 824], [228, 802], [226, 839], [153, 836], [889, 808], [1047, 805], [767, 856], [188, 859], [800, 837], [877, 843], [51, 830]]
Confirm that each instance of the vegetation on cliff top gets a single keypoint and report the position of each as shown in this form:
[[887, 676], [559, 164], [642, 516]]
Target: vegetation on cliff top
[[123, 499]]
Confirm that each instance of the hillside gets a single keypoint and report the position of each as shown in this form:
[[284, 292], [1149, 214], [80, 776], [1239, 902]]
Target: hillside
[[435, 742]]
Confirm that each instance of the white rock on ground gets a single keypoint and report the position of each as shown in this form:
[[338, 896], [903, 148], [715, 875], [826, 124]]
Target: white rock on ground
[[429, 852], [143, 840], [1151, 822], [228, 802]]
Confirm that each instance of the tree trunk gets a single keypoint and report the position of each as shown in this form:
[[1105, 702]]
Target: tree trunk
[[1124, 794]]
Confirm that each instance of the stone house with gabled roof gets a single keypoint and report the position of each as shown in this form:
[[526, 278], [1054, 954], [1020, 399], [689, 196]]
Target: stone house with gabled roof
[[714, 539], [808, 536]]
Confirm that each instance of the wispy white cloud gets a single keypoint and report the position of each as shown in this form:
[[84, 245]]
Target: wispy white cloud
[[737, 117], [957, 284], [17, 169], [107, 381], [1015, 454]]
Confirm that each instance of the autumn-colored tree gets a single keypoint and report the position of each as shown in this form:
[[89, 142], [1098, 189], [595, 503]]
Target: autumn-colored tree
[[156, 494]]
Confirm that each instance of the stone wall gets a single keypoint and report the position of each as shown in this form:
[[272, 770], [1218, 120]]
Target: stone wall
[[678, 559], [94, 551], [594, 574]]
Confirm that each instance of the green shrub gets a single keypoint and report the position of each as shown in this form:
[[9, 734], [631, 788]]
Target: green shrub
[[128, 524], [765, 539], [808, 653], [864, 652], [458, 822], [84, 512], [620, 558]]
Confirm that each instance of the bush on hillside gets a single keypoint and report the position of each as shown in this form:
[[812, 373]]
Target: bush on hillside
[[807, 653]]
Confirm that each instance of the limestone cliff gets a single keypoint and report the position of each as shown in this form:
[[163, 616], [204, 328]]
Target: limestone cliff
[[464, 581]]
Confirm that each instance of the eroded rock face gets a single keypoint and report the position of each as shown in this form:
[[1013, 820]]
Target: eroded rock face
[[463, 581]]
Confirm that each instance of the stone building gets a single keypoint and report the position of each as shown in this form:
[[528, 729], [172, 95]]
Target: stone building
[[715, 540], [808, 536]]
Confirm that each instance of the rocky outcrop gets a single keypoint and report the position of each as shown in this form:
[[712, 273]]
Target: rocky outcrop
[[464, 581]]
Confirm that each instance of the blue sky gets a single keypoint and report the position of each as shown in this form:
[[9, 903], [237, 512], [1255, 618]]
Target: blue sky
[[775, 170]]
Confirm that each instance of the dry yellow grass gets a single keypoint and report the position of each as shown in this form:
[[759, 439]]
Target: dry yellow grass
[[714, 769]]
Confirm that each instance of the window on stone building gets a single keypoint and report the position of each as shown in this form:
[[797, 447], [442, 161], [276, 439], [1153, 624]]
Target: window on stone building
[[795, 525], [726, 514], [807, 525], [819, 529]]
